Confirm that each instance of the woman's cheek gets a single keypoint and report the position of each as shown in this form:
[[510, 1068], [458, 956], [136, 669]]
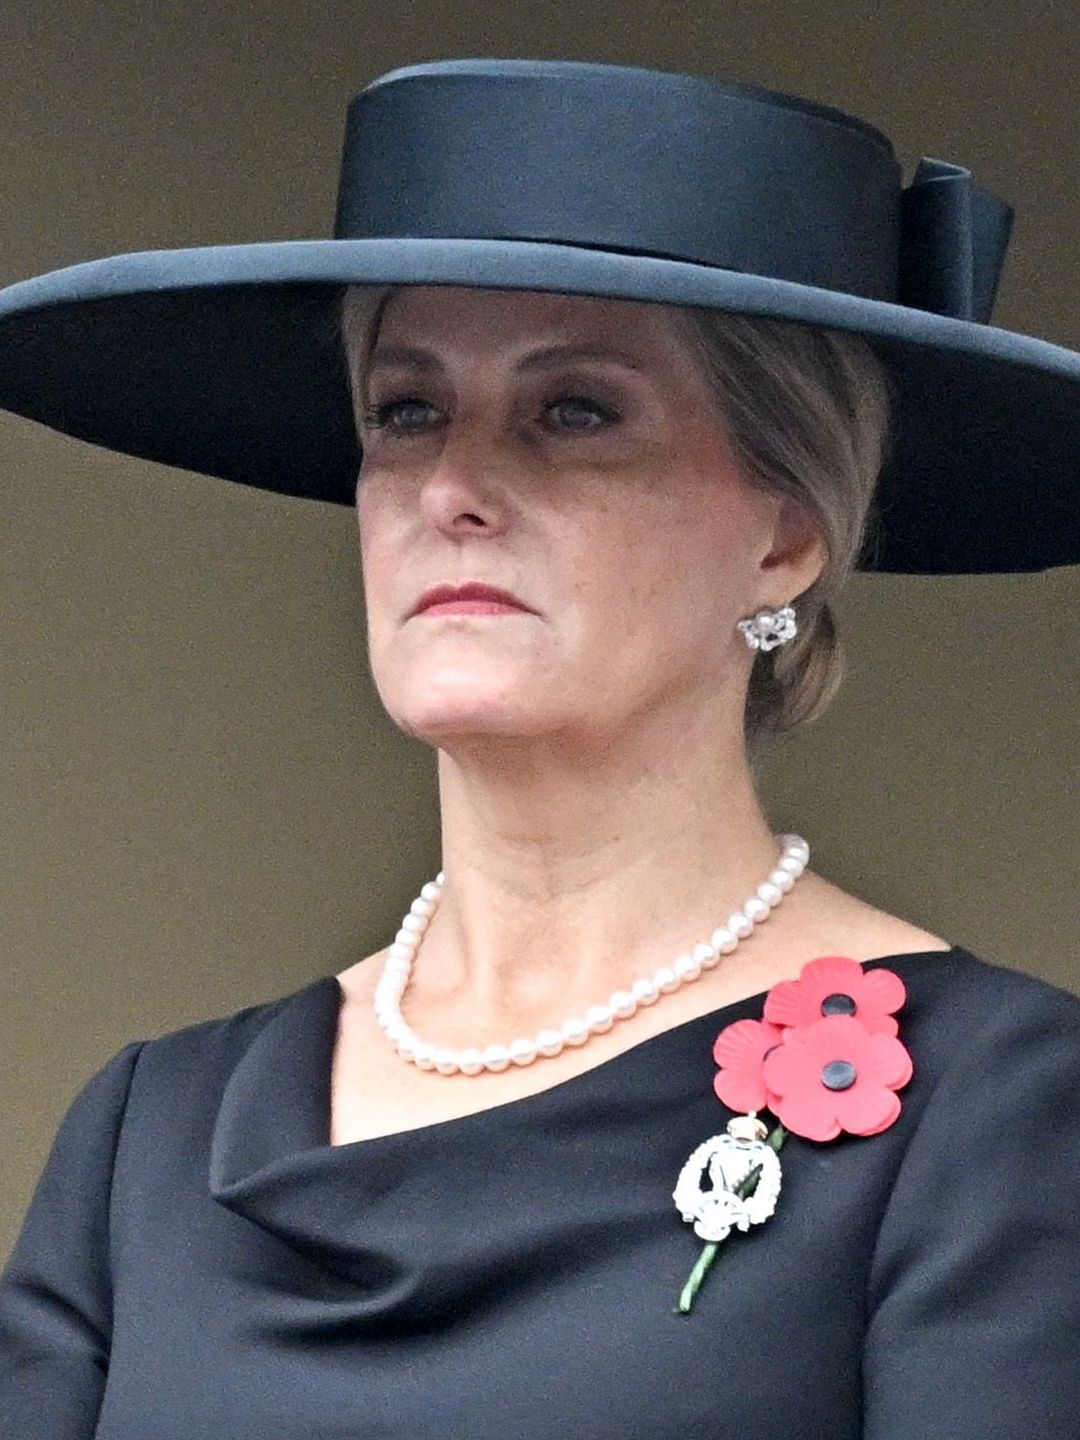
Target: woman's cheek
[[371, 496], [379, 521]]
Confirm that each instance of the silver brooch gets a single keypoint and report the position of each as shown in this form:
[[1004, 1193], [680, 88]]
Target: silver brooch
[[728, 1162]]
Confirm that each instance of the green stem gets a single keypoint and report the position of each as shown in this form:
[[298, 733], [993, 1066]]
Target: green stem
[[697, 1275], [708, 1255]]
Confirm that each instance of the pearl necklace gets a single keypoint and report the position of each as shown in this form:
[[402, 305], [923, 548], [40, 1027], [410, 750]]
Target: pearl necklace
[[598, 1018]]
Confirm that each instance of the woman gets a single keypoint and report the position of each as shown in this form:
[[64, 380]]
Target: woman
[[447, 1191]]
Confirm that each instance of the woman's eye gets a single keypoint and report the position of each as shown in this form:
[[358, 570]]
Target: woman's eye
[[379, 417], [582, 404], [386, 416]]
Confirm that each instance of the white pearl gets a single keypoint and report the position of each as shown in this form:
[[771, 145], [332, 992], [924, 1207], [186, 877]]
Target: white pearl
[[687, 968], [406, 1044], [431, 891], [645, 992], [422, 907], [622, 1003], [799, 848], [666, 980], [425, 1056], [402, 949], [522, 1052], [407, 940], [724, 940], [706, 955], [440, 878], [413, 924], [756, 910], [599, 1018], [496, 1057], [770, 894], [471, 1061], [550, 1043], [575, 1031], [740, 925], [782, 879], [446, 1061]]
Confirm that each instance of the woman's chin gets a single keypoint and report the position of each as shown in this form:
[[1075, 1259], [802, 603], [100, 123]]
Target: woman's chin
[[468, 709]]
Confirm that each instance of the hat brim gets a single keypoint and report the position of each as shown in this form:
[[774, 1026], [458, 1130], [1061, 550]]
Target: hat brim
[[227, 361]]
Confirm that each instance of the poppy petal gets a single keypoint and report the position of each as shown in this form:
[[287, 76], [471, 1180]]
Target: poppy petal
[[741, 1090], [738, 1050], [875, 1021], [832, 972], [788, 1003], [808, 1112], [744, 1042], [888, 1062], [882, 989], [867, 1110], [787, 1067]]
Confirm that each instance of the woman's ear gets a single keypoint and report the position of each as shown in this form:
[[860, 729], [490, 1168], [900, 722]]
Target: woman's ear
[[797, 554]]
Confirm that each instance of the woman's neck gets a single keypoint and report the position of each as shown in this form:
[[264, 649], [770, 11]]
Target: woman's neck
[[567, 881]]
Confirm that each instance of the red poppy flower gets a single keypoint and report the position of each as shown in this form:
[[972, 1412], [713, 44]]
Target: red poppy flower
[[836, 1075], [838, 985], [740, 1049]]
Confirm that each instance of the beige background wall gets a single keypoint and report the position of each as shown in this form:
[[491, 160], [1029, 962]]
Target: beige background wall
[[203, 805]]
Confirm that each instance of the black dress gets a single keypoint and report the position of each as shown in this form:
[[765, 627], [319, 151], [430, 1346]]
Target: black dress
[[197, 1263]]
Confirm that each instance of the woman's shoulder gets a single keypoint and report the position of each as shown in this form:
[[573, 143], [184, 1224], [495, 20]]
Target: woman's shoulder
[[210, 1048], [180, 1072], [983, 1027], [951, 986], [966, 985]]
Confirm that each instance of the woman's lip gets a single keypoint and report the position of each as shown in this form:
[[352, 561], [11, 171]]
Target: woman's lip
[[472, 607], [473, 598]]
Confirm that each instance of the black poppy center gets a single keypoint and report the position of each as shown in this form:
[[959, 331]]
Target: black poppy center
[[838, 1075], [838, 1005]]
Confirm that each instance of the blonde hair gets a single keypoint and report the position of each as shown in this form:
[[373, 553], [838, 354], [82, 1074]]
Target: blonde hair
[[806, 411]]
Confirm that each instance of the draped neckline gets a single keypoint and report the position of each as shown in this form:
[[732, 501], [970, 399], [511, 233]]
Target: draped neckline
[[406, 1229]]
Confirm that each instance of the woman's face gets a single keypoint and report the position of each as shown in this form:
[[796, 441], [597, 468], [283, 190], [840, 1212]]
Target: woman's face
[[599, 491]]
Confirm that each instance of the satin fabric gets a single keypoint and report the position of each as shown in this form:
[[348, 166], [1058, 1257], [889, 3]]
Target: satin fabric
[[197, 1261]]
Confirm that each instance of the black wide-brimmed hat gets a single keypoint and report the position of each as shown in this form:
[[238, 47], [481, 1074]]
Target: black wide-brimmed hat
[[599, 180]]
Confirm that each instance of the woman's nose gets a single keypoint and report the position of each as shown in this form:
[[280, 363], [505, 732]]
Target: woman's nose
[[468, 484]]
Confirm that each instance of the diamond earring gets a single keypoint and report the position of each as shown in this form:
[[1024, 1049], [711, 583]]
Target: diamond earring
[[769, 628]]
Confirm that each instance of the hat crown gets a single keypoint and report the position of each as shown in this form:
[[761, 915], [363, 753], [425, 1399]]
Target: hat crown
[[624, 158]]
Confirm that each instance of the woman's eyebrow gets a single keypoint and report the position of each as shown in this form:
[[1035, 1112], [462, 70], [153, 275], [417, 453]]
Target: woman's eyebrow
[[546, 357]]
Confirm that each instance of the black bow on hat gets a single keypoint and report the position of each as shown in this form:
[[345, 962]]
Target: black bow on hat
[[953, 238], [600, 180]]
